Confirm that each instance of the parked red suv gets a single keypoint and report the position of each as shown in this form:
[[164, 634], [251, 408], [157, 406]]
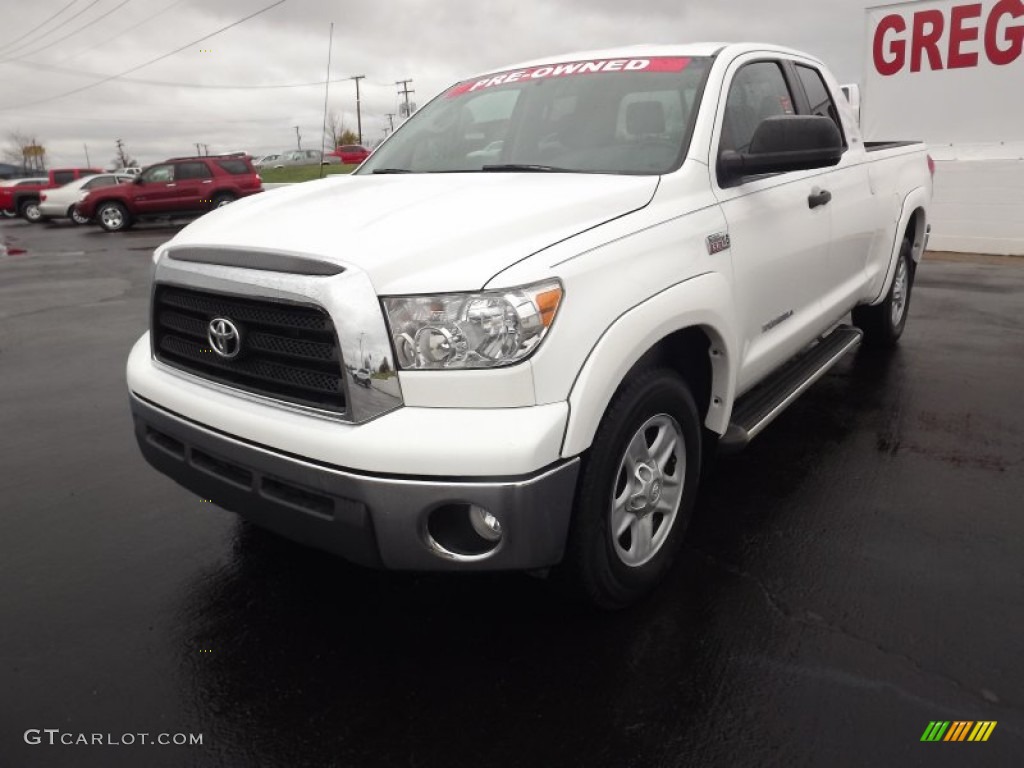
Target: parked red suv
[[182, 185]]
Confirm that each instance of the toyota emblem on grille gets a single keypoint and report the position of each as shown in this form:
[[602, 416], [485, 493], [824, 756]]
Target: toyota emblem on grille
[[224, 337]]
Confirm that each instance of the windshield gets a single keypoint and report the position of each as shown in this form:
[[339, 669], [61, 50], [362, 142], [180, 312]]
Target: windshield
[[628, 116]]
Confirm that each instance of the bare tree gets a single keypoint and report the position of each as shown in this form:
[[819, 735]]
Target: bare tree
[[124, 158], [23, 148], [335, 129]]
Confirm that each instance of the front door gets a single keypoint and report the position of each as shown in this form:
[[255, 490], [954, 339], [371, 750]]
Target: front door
[[779, 243], [155, 190]]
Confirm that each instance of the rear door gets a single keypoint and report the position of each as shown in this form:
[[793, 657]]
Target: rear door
[[194, 186], [852, 211], [778, 243]]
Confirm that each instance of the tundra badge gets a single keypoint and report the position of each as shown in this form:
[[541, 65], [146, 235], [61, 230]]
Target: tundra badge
[[718, 242]]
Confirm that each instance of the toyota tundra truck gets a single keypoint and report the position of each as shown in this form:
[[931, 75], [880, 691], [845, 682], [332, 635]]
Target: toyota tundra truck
[[522, 358]]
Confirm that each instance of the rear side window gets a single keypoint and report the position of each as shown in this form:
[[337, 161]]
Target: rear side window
[[63, 177], [192, 171], [99, 181], [818, 95], [757, 92], [238, 167]]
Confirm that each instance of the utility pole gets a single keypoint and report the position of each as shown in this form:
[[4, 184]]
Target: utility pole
[[298, 137], [198, 153], [391, 120], [206, 149], [404, 91], [327, 91], [86, 148], [359, 112]]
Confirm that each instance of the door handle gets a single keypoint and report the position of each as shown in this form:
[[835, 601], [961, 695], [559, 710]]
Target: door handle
[[818, 197]]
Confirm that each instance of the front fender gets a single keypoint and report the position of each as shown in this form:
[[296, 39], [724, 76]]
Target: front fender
[[704, 302]]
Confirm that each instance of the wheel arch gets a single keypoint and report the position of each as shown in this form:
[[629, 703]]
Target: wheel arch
[[914, 222], [693, 341]]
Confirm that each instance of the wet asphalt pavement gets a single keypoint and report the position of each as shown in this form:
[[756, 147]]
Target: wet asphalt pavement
[[857, 573]]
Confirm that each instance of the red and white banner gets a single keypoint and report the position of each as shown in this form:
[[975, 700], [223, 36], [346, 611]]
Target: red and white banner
[[945, 71], [570, 69]]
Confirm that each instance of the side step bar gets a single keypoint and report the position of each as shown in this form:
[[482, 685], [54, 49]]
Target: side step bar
[[759, 407]]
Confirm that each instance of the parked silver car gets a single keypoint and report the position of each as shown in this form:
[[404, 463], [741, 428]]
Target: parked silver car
[[302, 157]]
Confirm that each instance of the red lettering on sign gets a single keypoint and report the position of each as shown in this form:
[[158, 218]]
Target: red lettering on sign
[[1014, 35], [657, 64], [898, 48], [927, 41], [959, 34], [1003, 38]]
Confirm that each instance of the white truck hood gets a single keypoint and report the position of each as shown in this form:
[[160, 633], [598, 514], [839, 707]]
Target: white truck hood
[[422, 233]]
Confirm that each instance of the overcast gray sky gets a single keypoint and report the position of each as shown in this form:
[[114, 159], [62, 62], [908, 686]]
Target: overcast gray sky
[[434, 42]]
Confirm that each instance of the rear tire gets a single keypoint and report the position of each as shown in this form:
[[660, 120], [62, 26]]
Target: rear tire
[[223, 199], [883, 323], [636, 492], [30, 212], [8, 214], [113, 217], [76, 217]]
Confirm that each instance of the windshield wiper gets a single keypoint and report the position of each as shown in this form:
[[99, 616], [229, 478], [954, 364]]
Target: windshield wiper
[[392, 170], [526, 168]]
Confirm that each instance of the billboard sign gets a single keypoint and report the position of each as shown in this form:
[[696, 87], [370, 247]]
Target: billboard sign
[[945, 71]]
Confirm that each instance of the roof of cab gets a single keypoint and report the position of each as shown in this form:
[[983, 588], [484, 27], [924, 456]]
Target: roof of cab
[[634, 51]]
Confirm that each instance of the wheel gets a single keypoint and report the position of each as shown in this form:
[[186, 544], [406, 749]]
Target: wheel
[[30, 211], [636, 491], [883, 323], [223, 199], [76, 217], [112, 217], [8, 214]]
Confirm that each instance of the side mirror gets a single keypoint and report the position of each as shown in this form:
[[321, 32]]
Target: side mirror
[[785, 143]]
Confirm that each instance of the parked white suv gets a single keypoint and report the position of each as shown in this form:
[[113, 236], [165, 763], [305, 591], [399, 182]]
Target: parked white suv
[[518, 358]]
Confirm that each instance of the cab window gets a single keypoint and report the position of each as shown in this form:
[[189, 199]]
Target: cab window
[[158, 173], [191, 171], [818, 95], [758, 91]]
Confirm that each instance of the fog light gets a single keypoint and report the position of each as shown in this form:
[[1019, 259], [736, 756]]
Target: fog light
[[484, 523]]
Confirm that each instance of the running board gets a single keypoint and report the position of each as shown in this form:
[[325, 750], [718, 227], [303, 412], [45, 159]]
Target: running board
[[759, 407]]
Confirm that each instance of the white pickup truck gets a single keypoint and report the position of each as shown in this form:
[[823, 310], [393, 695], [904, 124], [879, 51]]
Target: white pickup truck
[[512, 337]]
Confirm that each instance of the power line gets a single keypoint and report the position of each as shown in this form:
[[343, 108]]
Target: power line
[[123, 32], [73, 32], [51, 31], [9, 43], [170, 84], [147, 63]]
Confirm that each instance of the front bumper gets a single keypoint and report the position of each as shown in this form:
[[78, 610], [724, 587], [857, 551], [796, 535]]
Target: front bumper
[[368, 519]]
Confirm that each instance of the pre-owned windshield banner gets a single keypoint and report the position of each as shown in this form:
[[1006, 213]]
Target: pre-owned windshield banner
[[571, 69]]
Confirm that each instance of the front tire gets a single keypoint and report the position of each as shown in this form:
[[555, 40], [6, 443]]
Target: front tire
[[113, 217], [636, 491], [883, 323], [30, 211]]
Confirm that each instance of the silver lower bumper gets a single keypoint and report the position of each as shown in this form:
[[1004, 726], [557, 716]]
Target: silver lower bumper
[[367, 519]]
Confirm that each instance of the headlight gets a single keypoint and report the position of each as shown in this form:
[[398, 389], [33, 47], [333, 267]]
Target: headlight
[[472, 330]]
